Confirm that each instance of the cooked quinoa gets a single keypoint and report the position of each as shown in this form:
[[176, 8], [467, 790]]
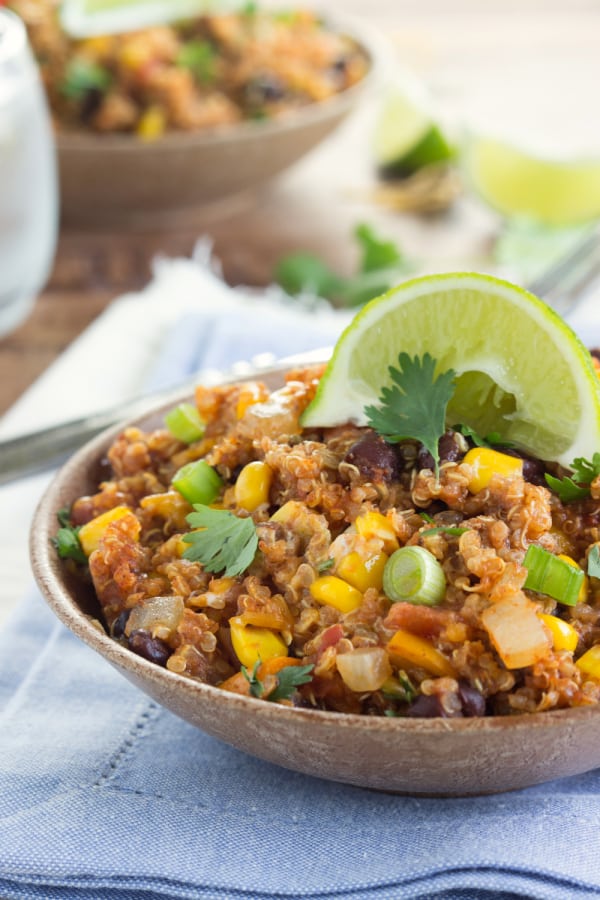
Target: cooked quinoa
[[212, 71], [307, 622]]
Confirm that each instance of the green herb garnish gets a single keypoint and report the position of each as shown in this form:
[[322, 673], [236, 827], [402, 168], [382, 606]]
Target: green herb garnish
[[445, 529], [225, 543], [415, 406], [82, 76], [325, 565], [200, 58], [576, 487], [493, 439], [593, 562], [66, 539], [288, 679]]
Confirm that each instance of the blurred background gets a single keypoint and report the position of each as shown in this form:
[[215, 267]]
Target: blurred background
[[455, 136]]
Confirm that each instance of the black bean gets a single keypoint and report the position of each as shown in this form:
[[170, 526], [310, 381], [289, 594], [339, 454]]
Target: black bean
[[374, 458], [473, 702], [452, 446], [426, 707], [117, 629], [153, 649], [264, 89], [533, 469]]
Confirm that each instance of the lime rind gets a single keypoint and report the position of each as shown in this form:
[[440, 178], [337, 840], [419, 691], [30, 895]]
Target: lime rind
[[521, 369], [89, 18]]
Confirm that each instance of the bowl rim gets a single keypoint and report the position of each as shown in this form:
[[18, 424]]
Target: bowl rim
[[48, 568], [363, 34]]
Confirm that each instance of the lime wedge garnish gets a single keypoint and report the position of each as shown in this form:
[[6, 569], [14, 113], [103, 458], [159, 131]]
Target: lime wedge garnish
[[86, 18], [521, 371], [519, 182], [406, 136]]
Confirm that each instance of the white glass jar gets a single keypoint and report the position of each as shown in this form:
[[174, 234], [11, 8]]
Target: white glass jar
[[28, 178]]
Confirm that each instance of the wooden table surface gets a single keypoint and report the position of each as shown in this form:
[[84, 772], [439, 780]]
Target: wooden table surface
[[317, 203]]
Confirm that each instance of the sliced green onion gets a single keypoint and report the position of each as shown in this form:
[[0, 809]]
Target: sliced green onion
[[413, 575], [184, 423], [547, 574], [198, 482]]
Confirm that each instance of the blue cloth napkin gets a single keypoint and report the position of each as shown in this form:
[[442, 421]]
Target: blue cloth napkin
[[106, 796]]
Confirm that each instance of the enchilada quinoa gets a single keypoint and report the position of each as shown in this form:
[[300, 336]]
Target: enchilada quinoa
[[212, 71], [332, 569]]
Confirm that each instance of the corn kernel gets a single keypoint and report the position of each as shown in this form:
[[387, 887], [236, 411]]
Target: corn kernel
[[332, 591], [375, 525], [253, 485], [589, 663], [363, 573], [93, 531], [253, 644], [405, 648], [584, 589], [564, 636], [486, 462], [152, 124]]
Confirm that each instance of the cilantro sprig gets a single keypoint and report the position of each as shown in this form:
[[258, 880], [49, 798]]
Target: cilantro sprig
[[415, 406], [66, 539], [288, 679], [577, 486], [82, 76], [223, 542]]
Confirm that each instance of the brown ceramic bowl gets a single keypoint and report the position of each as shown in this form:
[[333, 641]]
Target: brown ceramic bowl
[[449, 757], [119, 178]]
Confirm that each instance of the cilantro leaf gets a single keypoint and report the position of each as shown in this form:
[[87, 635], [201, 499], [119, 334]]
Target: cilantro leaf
[[288, 679], [445, 529], [82, 76], [593, 563], [304, 273], [66, 539], [200, 58], [224, 543], [257, 688], [576, 488], [415, 406], [493, 439]]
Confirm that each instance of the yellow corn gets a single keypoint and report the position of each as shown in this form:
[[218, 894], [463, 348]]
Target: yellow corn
[[564, 636], [589, 663], [583, 590], [134, 54], [375, 525], [152, 124], [93, 531], [332, 591], [250, 394], [363, 573], [253, 644], [405, 648], [253, 485], [486, 462]]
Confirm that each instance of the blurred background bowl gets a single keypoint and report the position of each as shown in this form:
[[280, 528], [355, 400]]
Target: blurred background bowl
[[106, 179]]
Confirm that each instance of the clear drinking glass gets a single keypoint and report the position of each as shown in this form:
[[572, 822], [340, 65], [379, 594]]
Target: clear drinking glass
[[28, 177]]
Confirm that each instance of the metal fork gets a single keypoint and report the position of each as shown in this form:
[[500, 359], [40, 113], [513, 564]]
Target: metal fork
[[565, 282], [561, 286]]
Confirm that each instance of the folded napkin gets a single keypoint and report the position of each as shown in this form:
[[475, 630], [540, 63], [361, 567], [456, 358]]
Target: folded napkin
[[106, 796]]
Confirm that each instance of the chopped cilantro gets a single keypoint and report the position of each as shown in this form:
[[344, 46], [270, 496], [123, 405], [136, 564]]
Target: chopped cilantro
[[576, 487], [223, 543], [288, 679], [593, 562], [66, 539], [200, 58], [493, 439], [415, 406], [81, 76], [445, 529], [325, 565]]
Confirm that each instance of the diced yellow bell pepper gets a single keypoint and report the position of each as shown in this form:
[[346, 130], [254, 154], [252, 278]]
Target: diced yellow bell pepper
[[253, 644], [332, 591], [486, 462], [589, 663], [253, 485], [375, 525], [585, 584], [250, 394], [363, 573], [405, 648], [564, 636], [93, 531]]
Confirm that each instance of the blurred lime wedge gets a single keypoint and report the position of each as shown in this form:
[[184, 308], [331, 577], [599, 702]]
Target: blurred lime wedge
[[521, 371], [519, 182], [85, 18], [406, 137]]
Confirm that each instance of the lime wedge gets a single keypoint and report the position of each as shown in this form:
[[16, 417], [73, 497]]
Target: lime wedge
[[86, 18], [521, 371], [406, 137], [518, 182]]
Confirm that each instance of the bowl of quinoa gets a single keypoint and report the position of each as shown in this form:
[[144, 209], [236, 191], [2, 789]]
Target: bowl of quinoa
[[328, 601], [164, 119]]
